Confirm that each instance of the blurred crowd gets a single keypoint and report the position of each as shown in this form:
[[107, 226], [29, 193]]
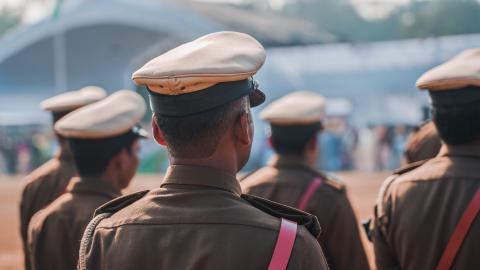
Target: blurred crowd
[[343, 147], [24, 148]]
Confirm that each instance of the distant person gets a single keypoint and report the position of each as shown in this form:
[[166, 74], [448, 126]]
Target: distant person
[[49, 181], [426, 215], [292, 179], [104, 142], [201, 93], [423, 144]]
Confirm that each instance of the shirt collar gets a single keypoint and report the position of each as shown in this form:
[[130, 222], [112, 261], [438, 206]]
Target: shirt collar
[[201, 176], [464, 150], [92, 185]]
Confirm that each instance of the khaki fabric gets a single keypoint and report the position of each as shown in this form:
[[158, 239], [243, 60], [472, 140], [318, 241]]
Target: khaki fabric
[[196, 220], [418, 210], [72, 100], [110, 117], [297, 108], [461, 71], [194, 66], [55, 232], [286, 179], [43, 186]]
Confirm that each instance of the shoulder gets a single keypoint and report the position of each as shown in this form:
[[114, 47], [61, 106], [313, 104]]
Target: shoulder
[[259, 177], [260, 173], [330, 182], [50, 214], [334, 182], [398, 176], [119, 203], [41, 173], [278, 210]]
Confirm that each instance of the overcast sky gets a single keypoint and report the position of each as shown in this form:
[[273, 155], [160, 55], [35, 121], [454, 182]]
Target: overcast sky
[[372, 9]]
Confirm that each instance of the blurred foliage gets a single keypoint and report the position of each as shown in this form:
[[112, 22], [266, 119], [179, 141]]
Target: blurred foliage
[[8, 19], [419, 19]]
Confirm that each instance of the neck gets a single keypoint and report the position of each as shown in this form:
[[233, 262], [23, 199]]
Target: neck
[[220, 163], [108, 179]]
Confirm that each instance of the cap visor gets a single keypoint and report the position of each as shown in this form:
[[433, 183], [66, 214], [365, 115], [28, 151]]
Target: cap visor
[[257, 97]]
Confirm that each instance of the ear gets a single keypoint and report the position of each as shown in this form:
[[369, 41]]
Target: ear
[[157, 133], [243, 129]]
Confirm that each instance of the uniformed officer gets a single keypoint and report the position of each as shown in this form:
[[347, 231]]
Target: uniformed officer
[[104, 141], [425, 214], [49, 181], [201, 93], [291, 178], [423, 144]]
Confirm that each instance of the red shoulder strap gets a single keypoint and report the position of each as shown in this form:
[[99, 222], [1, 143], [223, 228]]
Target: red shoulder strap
[[459, 233], [284, 246], [307, 195]]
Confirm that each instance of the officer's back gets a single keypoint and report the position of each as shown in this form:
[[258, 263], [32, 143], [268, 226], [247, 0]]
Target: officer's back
[[290, 178], [419, 209], [201, 93]]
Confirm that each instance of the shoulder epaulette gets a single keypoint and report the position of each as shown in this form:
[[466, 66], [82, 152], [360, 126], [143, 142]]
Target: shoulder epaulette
[[331, 180], [335, 182], [410, 167], [119, 203], [282, 211]]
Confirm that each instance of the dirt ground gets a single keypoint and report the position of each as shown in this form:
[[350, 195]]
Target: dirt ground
[[362, 187]]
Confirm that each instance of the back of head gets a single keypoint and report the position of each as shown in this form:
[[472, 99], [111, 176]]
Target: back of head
[[198, 90], [98, 132], [295, 120], [293, 139], [197, 135], [455, 91]]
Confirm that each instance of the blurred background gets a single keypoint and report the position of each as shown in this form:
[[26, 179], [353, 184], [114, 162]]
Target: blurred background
[[363, 55]]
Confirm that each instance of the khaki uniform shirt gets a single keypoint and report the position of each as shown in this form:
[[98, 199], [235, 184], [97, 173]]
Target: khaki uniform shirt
[[55, 231], [196, 220], [286, 179], [43, 186], [419, 208]]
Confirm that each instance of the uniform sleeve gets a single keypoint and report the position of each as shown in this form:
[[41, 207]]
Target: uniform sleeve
[[384, 254], [307, 253], [342, 238], [24, 218]]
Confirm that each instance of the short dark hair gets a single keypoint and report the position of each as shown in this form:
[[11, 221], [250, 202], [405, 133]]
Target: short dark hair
[[458, 124], [92, 156], [292, 139], [197, 135]]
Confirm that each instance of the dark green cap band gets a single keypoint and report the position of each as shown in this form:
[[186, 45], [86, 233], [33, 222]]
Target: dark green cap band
[[455, 97], [206, 99]]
